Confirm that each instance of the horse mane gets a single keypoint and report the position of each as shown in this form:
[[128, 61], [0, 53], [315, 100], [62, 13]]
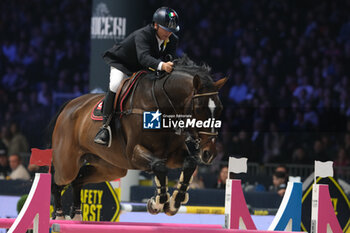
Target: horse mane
[[185, 64]]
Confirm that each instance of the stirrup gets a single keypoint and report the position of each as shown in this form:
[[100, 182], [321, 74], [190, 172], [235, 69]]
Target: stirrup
[[100, 142], [110, 136]]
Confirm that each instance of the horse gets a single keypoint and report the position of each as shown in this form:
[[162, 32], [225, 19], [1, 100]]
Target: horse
[[188, 90]]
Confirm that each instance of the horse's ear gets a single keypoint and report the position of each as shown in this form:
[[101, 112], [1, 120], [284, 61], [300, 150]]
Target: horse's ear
[[197, 82], [218, 84]]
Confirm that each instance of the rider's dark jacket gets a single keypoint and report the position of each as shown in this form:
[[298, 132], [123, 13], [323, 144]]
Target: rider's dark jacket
[[140, 50]]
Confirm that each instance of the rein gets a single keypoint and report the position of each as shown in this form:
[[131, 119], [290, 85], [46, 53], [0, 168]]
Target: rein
[[205, 94]]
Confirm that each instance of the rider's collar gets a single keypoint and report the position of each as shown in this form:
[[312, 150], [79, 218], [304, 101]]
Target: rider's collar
[[161, 41]]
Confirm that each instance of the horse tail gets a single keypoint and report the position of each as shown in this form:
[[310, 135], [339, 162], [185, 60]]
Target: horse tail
[[51, 125]]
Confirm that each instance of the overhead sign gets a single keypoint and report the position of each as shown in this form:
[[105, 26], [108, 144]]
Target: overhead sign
[[111, 22]]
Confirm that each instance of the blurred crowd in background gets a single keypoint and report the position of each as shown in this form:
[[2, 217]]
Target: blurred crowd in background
[[286, 101]]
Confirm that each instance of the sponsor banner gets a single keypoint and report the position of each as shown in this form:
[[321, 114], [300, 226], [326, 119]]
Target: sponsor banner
[[111, 22], [340, 203], [99, 202]]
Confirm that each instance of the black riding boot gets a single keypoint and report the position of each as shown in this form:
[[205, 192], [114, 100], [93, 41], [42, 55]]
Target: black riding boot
[[104, 135]]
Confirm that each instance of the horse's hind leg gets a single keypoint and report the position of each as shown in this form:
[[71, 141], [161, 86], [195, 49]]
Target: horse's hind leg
[[56, 191], [145, 159], [97, 171], [77, 184], [180, 195], [66, 167]]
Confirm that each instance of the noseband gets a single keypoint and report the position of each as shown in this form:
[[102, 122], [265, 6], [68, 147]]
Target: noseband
[[205, 94]]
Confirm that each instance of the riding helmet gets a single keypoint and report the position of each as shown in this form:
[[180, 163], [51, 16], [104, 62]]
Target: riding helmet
[[167, 19]]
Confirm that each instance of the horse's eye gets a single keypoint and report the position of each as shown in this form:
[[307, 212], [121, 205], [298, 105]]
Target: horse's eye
[[198, 109]]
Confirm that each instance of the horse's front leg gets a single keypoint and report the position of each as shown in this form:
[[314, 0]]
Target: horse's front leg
[[146, 161], [180, 195]]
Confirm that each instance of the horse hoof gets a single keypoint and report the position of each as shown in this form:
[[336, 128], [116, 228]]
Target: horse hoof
[[76, 214], [60, 218], [168, 211], [58, 215], [150, 208], [78, 217]]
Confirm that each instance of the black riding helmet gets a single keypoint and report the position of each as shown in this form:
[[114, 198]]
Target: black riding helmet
[[167, 19]]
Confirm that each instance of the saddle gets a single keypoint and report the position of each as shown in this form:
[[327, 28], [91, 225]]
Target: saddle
[[125, 88]]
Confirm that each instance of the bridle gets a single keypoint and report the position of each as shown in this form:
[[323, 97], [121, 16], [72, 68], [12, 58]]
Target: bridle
[[204, 95], [212, 135], [190, 136]]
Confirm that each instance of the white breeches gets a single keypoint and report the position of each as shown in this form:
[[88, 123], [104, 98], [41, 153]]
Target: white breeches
[[115, 77]]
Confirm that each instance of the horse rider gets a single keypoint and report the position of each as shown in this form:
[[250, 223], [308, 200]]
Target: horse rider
[[145, 48]]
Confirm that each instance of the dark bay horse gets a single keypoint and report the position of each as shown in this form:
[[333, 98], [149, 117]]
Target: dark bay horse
[[77, 160]]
